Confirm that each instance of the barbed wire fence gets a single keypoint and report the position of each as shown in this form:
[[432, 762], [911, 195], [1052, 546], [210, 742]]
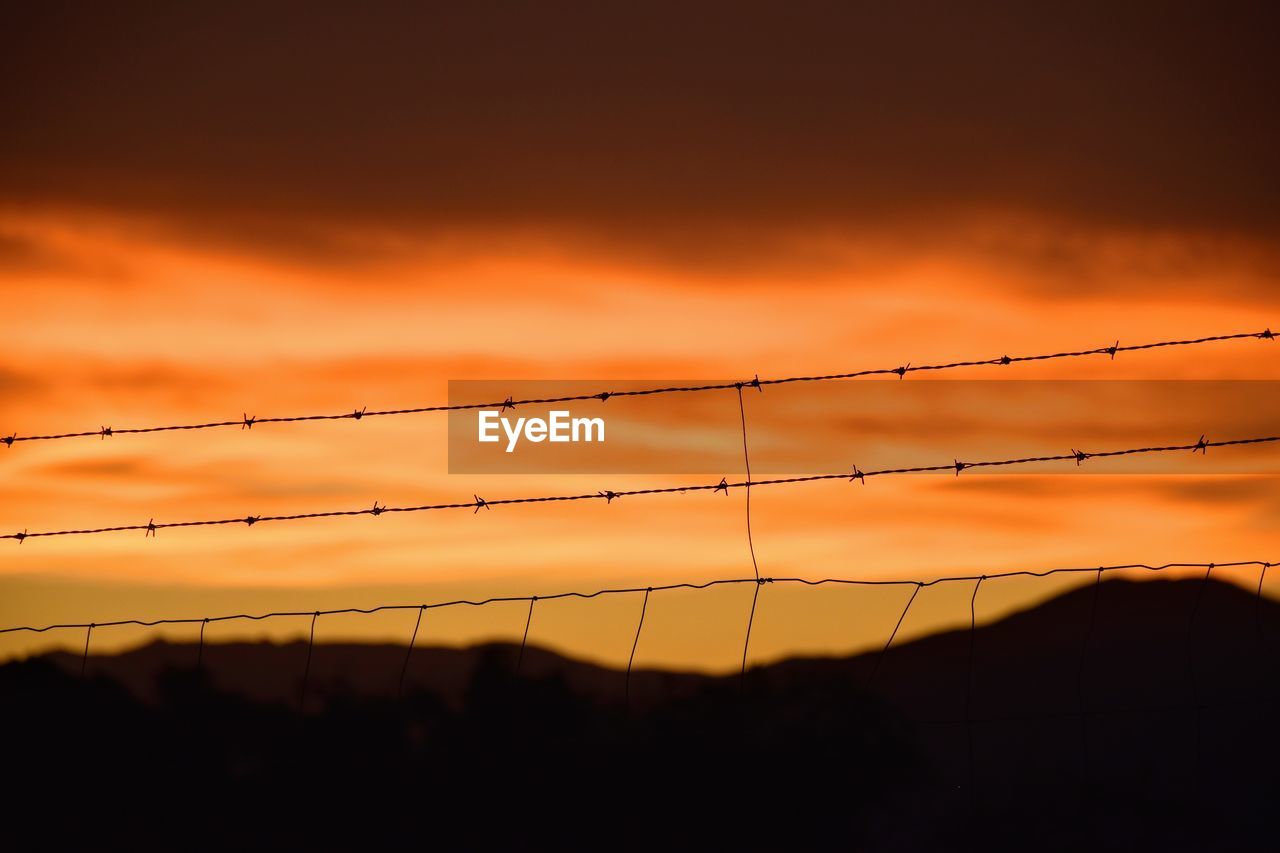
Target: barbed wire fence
[[645, 591], [757, 580], [1195, 705]]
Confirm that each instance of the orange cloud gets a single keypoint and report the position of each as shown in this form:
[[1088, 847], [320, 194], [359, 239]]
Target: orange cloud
[[183, 241]]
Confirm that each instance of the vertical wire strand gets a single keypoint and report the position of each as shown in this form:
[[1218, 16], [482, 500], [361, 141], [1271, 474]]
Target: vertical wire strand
[[635, 643], [525, 641], [1257, 606], [404, 668], [875, 667], [84, 660], [1263, 681], [746, 459], [306, 670], [1191, 675], [200, 645], [1265, 694], [746, 644], [968, 691], [751, 546], [1080, 671]]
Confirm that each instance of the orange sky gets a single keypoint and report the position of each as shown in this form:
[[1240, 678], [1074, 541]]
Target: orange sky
[[149, 330], [181, 246]]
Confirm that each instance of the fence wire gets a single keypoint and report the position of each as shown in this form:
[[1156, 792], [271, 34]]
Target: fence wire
[[248, 422], [478, 503]]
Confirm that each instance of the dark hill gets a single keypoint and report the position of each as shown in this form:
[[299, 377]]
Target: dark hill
[[1155, 734]]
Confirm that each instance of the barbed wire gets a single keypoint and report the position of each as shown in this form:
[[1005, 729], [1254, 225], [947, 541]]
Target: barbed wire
[[478, 503], [248, 422], [757, 580], [635, 590]]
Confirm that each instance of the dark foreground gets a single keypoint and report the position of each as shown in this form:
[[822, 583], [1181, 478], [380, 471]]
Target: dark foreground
[[1159, 735]]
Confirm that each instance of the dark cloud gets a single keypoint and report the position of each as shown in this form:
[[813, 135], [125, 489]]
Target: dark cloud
[[34, 258], [687, 126], [1231, 492], [13, 382], [120, 470], [19, 254]]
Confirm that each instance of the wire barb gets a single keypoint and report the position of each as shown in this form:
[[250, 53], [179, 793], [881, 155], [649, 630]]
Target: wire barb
[[1201, 446], [858, 475], [608, 496], [151, 529], [480, 502], [357, 414], [247, 422], [105, 432]]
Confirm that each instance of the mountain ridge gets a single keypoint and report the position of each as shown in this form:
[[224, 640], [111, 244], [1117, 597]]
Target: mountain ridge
[[1130, 715]]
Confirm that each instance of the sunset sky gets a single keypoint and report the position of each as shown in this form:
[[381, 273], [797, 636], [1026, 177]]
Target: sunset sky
[[272, 213]]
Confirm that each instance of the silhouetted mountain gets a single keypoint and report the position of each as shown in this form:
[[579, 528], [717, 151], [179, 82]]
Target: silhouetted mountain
[[1108, 722]]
